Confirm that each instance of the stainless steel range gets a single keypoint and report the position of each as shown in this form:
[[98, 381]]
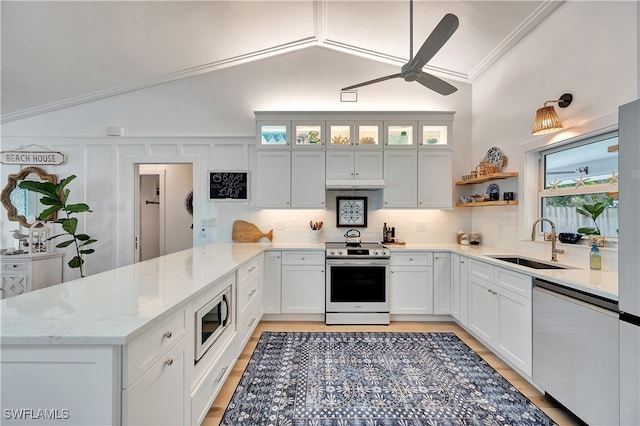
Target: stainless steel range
[[357, 289]]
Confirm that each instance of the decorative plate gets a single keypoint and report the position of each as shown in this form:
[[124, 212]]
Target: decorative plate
[[493, 189], [494, 156]]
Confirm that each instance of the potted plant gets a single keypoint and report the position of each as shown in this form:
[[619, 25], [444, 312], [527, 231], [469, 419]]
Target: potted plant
[[56, 196], [592, 211]]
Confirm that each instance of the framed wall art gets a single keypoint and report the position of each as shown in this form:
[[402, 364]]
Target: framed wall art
[[351, 212]]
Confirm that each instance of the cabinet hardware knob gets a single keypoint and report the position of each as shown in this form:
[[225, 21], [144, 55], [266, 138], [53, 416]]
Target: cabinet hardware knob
[[322, 271], [169, 362], [167, 334], [253, 292]]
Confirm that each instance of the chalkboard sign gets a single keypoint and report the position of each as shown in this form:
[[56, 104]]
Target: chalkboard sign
[[228, 185]]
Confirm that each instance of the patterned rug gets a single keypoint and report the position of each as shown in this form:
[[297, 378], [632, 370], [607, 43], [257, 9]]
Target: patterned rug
[[374, 379]]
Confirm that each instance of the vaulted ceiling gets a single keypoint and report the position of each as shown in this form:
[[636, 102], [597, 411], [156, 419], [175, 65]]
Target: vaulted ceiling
[[60, 53]]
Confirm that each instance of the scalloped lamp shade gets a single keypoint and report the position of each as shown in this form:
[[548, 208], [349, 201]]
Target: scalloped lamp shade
[[546, 121]]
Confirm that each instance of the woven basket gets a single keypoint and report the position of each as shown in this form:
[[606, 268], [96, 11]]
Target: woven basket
[[486, 168]]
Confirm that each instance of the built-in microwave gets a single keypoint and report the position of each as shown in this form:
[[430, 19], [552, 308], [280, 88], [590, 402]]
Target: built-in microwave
[[211, 321]]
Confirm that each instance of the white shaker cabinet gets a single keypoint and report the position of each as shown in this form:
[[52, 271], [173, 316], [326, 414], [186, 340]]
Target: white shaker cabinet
[[303, 282], [249, 300], [441, 283], [22, 273], [401, 179], [459, 288], [272, 282], [435, 187], [308, 179], [291, 179], [352, 164], [500, 312], [274, 179], [159, 397], [411, 282]]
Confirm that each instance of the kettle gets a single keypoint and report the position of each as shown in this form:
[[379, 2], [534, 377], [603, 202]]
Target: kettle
[[353, 237]]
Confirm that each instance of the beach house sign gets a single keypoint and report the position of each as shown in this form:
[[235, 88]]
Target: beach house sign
[[40, 158]]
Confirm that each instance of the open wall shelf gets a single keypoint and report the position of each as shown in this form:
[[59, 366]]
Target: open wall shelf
[[488, 203], [487, 178]]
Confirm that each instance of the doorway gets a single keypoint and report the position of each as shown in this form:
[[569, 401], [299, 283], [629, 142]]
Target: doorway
[[164, 224]]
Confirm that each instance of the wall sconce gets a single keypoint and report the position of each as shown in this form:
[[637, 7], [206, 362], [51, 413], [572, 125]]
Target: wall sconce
[[547, 120]]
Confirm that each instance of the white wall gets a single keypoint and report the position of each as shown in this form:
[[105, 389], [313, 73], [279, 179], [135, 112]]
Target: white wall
[[589, 49], [208, 121]]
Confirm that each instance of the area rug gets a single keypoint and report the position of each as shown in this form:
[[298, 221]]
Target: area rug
[[374, 379]]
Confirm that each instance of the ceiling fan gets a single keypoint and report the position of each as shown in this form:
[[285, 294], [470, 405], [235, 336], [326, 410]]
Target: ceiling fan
[[412, 70]]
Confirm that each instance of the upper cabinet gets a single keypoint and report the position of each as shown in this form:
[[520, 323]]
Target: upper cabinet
[[354, 134], [274, 134], [434, 135], [400, 134], [308, 134], [362, 130]]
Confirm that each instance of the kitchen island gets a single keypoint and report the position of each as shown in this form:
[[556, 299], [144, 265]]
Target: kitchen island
[[104, 349]]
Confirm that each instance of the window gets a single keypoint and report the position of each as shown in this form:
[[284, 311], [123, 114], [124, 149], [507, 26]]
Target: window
[[581, 176]]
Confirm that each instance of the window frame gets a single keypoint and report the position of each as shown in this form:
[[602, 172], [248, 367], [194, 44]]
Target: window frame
[[581, 190]]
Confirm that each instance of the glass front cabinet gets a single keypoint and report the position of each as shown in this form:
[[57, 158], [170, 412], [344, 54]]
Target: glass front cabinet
[[308, 134], [274, 134], [400, 134]]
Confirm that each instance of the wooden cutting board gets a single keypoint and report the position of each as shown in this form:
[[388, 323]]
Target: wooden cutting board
[[247, 232]]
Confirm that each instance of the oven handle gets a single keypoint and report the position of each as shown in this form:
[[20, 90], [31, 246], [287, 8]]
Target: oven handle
[[357, 262]]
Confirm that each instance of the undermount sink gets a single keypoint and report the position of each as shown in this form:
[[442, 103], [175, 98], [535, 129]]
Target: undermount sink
[[529, 263]]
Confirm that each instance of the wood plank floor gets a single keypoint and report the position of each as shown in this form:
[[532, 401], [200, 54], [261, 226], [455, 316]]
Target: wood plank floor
[[558, 414]]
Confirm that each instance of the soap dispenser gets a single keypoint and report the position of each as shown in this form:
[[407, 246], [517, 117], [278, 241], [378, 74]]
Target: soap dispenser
[[595, 258]]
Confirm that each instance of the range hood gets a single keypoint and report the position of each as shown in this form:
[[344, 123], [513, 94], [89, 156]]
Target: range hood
[[354, 184]]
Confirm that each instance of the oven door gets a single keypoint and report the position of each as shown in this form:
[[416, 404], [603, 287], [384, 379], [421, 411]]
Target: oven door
[[358, 285], [211, 321]]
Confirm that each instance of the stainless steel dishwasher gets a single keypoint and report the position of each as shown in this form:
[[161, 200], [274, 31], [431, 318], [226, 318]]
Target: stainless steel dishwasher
[[576, 351]]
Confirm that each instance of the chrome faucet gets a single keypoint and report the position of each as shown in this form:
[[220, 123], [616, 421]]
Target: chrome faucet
[[554, 251]]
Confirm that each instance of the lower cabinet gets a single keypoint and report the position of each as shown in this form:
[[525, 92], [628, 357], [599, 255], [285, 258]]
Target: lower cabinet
[[459, 288], [500, 312], [23, 273], [207, 388], [249, 300], [155, 390], [441, 283], [303, 282], [411, 282], [272, 279], [159, 397]]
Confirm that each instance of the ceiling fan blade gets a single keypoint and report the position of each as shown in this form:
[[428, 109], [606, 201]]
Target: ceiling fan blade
[[377, 80], [438, 37], [436, 84]]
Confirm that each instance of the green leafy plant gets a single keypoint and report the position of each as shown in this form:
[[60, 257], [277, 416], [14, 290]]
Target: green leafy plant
[[56, 196], [592, 211]]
